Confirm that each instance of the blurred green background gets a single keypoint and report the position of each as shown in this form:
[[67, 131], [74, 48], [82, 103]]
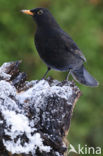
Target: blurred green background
[[83, 20]]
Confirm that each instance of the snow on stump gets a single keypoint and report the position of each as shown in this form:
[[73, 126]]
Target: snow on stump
[[34, 116]]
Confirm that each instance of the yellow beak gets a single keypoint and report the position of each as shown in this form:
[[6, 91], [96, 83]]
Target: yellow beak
[[28, 12]]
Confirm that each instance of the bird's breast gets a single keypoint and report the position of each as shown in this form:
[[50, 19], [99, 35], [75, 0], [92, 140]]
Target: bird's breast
[[52, 51], [46, 42]]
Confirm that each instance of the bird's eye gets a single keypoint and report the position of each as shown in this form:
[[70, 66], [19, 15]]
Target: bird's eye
[[40, 12]]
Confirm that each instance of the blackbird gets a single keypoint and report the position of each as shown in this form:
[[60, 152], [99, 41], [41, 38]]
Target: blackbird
[[57, 49]]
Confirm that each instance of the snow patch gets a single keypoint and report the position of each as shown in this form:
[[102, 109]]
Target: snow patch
[[18, 124], [43, 89], [3, 73]]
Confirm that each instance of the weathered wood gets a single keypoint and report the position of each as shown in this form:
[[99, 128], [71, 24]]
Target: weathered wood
[[34, 116]]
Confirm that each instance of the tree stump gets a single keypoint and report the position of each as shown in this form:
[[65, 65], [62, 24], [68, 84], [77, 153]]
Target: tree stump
[[34, 116]]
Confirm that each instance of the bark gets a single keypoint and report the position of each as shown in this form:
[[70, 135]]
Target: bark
[[34, 116]]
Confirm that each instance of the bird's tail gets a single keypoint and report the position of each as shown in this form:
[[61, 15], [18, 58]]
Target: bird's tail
[[82, 76]]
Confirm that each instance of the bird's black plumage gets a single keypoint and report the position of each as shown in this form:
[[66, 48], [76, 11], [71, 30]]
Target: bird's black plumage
[[57, 49]]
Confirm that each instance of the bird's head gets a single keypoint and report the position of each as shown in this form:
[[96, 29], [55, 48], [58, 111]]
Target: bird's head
[[42, 16]]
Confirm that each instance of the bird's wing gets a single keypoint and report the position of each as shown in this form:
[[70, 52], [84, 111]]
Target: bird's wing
[[78, 53], [71, 46]]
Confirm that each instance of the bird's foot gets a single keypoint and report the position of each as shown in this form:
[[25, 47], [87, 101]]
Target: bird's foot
[[48, 69], [67, 77]]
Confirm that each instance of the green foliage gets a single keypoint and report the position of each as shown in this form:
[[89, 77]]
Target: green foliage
[[83, 20]]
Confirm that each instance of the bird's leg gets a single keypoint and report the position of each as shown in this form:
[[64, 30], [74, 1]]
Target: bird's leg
[[68, 75], [46, 73]]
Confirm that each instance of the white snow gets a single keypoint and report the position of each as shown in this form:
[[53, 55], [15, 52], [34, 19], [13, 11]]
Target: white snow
[[1, 122], [39, 92], [6, 89], [17, 123], [34, 142], [57, 154], [43, 89], [3, 74]]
